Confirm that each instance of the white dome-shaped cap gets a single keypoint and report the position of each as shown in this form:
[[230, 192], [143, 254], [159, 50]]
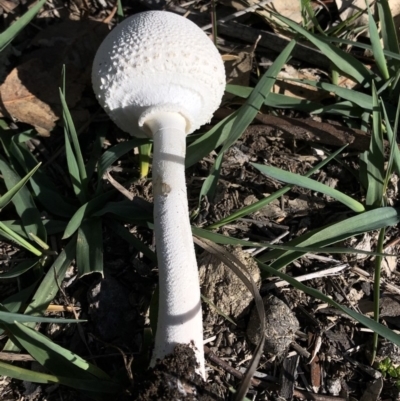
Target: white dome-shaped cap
[[158, 60]]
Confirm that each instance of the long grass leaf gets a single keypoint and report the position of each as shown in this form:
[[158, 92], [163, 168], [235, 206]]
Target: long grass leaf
[[86, 210], [10, 33], [388, 29], [392, 140], [89, 247], [246, 115], [374, 159], [112, 154], [226, 240], [44, 189], [343, 61], [264, 202], [356, 225], [305, 182], [69, 127], [56, 359], [211, 140], [20, 269], [23, 202], [12, 236], [7, 197], [93, 386], [276, 100], [73, 170], [10, 318], [377, 49], [144, 159]]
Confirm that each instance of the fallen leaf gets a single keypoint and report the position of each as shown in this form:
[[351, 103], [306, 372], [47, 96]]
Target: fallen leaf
[[30, 93], [238, 68]]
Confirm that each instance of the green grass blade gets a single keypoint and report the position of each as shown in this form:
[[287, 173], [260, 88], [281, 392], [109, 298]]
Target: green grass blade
[[73, 170], [72, 135], [89, 247], [97, 150], [305, 182], [365, 321], [21, 268], [360, 99], [144, 159], [388, 29], [56, 359], [246, 115], [7, 37], [275, 100], [23, 202], [44, 189], [14, 302], [225, 240], [356, 225], [86, 210], [375, 157], [9, 195], [264, 202], [377, 49], [211, 140], [394, 149], [344, 108], [329, 39], [49, 286], [16, 372], [10, 318], [10, 235], [111, 155], [343, 61]]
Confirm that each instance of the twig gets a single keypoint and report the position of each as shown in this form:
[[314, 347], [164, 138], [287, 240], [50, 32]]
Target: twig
[[322, 273]]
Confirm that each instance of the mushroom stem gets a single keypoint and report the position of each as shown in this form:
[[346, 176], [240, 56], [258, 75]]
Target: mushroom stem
[[179, 312]]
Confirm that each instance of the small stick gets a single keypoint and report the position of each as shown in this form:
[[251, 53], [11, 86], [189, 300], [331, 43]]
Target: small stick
[[323, 273]]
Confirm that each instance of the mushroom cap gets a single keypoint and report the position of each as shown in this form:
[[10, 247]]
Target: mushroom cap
[[158, 61]]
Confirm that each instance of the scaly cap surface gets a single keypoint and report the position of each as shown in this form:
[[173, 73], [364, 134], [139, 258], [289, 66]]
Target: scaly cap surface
[[158, 60]]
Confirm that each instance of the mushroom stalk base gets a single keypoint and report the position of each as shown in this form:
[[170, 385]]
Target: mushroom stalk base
[[179, 313]]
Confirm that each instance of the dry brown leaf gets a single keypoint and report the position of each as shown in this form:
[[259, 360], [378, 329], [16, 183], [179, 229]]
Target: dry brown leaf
[[288, 8], [284, 85], [238, 68], [23, 104], [30, 93]]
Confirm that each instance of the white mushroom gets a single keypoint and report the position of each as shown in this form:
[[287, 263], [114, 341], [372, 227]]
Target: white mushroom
[[158, 74]]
